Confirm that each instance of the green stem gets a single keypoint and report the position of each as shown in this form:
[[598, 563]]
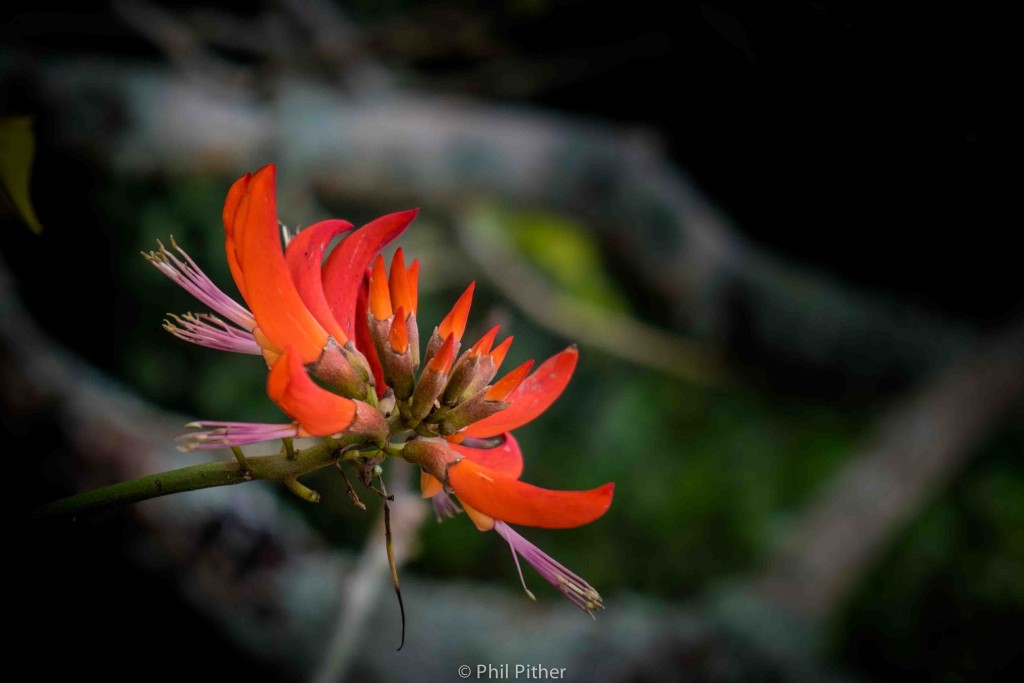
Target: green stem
[[301, 490], [279, 467], [240, 457]]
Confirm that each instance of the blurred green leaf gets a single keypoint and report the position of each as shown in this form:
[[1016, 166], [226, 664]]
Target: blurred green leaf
[[566, 252], [17, 151]]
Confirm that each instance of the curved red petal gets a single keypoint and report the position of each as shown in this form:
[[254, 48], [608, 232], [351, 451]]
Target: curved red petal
[[506, 459], [506, 386], [533, 397], [363, 340], [234, 198], [305, 258], [345, 267], [514, 502], [317, 410], [273, 299]]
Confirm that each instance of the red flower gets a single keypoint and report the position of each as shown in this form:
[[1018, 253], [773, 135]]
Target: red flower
[[350, 324]]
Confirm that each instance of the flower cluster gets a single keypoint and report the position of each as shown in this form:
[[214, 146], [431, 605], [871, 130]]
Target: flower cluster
[[339, 334]]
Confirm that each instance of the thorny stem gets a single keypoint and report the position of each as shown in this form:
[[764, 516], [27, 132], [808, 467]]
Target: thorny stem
[[278, 467]]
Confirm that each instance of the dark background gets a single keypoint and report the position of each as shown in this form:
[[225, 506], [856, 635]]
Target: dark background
[[871, 145]]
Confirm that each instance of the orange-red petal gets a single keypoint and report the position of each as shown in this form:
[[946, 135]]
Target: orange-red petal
[[380, 294], [269, 291], [399, 336], [533, 397], [401, 294], [479, 519], [305, 257], [515, 502], [499, 353], [484, 345], [430, 485], [442, 360], [455, 321], [345, 266], [413, 276], [318, 411], [509, 383], [506, 459]]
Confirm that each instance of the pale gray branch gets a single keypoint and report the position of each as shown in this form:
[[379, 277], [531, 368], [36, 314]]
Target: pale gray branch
[[910, 456], [403, 148]]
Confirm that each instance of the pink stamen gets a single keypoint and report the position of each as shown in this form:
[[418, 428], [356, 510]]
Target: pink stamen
[[227, 434], [522, 580], [193, 280], [444, 506], [578, 591], [208, 330]]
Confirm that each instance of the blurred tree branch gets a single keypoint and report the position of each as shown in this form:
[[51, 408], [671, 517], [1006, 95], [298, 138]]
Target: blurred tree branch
[[912, 454], [398, 147], [612, 332]]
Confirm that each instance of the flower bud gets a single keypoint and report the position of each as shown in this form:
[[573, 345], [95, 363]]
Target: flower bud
[[368, 424], [433, 456], [399, 372], [461, 375], [413, 333], [434, 345], [343, 369], [394, 349], [428, 389], [432, 380], [358, 361], [481, 377], [473, 409]]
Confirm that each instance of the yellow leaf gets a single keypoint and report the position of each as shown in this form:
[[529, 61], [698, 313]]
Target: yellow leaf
[[17, 150]]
